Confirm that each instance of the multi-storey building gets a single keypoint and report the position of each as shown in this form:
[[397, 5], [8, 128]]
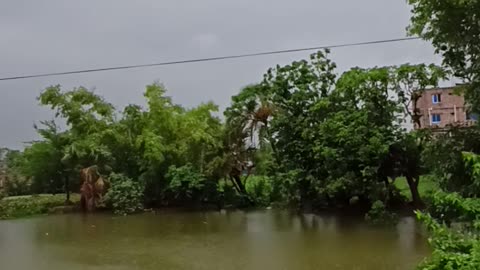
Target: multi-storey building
[[441, 107]]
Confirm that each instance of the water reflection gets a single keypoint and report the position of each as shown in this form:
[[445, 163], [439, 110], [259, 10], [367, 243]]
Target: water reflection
[[211, 240]]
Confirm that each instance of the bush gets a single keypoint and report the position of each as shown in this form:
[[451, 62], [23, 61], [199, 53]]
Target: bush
[[454, 222], [185, 183], [452, 159], [124, 196], [378, 214], [259, 189], [452, 249], [16, 207], [451, 207]]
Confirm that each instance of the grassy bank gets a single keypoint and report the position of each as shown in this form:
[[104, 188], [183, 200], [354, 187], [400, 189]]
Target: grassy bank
[[426, 186], [24, 206]]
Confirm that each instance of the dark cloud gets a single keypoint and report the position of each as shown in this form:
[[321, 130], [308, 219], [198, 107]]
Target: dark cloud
[[50, 36]]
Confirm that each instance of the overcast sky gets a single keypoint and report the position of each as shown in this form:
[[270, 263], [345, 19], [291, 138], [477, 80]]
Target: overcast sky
[[57, 35]]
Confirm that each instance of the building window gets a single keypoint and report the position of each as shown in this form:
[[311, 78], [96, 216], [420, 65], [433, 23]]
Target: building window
[[436, 119], [436, 98]]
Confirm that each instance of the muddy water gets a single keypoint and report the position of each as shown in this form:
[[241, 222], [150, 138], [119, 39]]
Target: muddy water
[[212, 240]]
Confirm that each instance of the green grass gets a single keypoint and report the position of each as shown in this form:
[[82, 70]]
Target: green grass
[[24, 206], [425, 186]]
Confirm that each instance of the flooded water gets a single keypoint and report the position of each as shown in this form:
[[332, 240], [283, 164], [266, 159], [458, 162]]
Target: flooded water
[[213, 240]]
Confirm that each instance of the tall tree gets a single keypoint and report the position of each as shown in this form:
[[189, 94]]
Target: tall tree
[[333, 132], [247, 124], [88, 118]]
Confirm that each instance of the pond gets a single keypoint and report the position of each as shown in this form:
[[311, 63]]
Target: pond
[[209, 240]]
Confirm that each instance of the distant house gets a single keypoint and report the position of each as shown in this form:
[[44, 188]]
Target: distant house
[[442, 107]]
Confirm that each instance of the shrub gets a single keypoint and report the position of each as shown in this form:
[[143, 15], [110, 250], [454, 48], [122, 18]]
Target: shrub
[[185, 183], [452, 249], [453, 161], [378, 214], [451, 207], [259, 189], [124, 196]]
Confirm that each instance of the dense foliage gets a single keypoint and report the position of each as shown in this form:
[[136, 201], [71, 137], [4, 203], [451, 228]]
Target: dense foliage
[[453, 221], [185, 184], [124, 196], [335, 136], [451, 157], [452, 249], [308, 137], [260, 189]]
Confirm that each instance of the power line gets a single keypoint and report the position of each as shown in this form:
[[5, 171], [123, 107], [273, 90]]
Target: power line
[[208, 59]]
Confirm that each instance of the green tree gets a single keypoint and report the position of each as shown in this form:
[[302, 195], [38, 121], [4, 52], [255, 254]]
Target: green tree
[[89, 119], [174, 136], [251, 111], [405, 159], [249, 142], [334, 133], [362, 123]]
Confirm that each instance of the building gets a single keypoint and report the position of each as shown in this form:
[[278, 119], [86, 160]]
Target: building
[[441, 107]]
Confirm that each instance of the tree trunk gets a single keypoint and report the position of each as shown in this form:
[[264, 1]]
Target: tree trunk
[[273, 146], [235, 184], [238, 180], [416, 115], [389, 190], [413, 185]]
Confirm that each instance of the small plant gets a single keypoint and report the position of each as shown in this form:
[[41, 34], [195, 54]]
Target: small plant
[[378, 214], [125, 196]]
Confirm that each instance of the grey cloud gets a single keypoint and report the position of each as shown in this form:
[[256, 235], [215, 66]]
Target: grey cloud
[[56, 35]]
